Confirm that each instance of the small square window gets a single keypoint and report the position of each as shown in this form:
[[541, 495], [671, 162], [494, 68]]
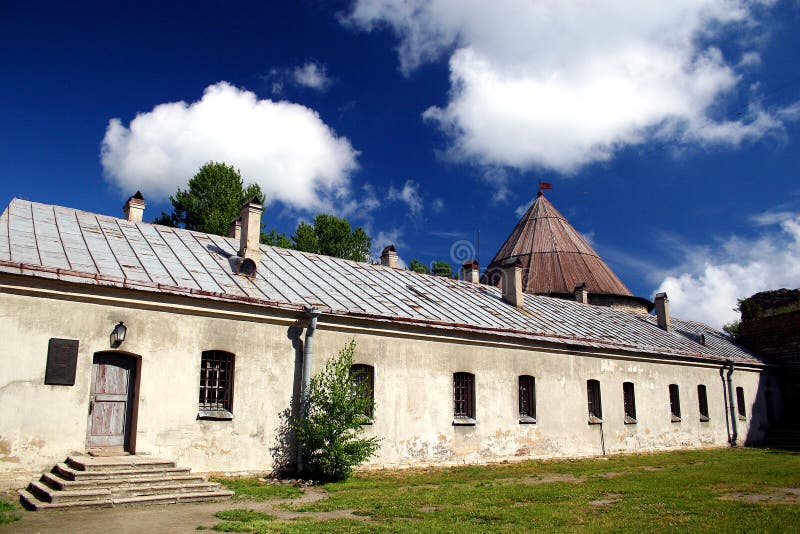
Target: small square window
[[216, 385]]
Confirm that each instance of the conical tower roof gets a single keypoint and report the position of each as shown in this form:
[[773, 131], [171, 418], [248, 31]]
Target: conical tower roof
[[554, 256]]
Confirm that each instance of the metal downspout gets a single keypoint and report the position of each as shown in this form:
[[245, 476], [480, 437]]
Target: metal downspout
[[734, 433], [308, 356]]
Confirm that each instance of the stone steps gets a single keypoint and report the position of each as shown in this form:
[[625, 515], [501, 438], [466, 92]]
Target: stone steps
[[84, 482]]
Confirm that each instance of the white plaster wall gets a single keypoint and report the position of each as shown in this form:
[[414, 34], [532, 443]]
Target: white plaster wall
[[414, 404], [41, 424]]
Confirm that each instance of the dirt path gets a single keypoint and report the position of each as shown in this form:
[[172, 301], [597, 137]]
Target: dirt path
[[167, 518]]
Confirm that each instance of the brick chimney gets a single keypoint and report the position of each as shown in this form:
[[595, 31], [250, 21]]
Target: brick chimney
[[512, 281], [662, 311], [581, 293], [470, 271], [134, 208], [250, 217], [235, 228], [389, 257]]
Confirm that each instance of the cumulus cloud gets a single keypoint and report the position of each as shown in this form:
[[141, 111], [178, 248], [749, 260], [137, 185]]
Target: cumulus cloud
[[707, 287], [558, 85], [408, 194], [286, 148], [312, 75]]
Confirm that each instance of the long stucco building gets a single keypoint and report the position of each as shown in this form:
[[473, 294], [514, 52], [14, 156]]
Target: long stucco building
[[216, 330]]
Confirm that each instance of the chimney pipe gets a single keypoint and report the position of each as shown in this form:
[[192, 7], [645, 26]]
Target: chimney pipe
[[251, 230], [389, 257], [662, 311], [235, 228], [581, 293], [134, 208], [512, 282], [470, 271]]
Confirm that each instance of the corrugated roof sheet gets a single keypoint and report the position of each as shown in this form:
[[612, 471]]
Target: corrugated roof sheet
[[554, 256], [80, 247]]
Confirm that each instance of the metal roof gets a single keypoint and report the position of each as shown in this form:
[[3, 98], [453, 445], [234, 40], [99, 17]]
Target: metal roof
[[555, 257], [86, 248]]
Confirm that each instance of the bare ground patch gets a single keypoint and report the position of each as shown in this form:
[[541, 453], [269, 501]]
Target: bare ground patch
[[766, 495]]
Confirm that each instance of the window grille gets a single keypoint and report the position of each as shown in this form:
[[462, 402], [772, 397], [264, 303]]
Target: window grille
[[674, 402], [595, 406], [702, 400], [740, 402], [629, 400], [363, 378], [464, 395], [527, 399], [216, 381]]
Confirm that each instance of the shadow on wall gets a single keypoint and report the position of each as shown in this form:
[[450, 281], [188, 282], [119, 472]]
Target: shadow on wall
[[284, 451], [763, 414]]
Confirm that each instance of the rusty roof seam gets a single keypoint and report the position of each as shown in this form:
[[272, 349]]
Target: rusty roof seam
[[155, 254]]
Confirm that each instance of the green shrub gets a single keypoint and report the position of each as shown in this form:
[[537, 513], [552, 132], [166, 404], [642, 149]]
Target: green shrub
[[334, 410]]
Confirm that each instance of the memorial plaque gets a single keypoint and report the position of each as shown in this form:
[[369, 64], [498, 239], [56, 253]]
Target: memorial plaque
[[62, 358]]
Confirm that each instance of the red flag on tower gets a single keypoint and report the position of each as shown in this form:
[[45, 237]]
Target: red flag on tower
[[544, 185]]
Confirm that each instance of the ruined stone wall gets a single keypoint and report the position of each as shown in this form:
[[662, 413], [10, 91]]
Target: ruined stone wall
[[413, 385]]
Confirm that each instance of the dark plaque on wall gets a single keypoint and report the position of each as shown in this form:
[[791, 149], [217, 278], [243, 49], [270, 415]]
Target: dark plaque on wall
[[62, 358]]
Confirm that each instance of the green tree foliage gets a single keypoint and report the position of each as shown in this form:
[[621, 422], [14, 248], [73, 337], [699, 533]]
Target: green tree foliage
[[442, 268], [732, 329], [334, 411], [215, 197], [332, 236], [418, 266], [275, 239]]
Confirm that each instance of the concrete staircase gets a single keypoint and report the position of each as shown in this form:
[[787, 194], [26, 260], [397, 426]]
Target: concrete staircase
[[86, 482]]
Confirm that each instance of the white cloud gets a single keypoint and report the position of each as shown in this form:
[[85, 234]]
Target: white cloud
[[285, 148], [707, 287], [409, 194], [312, 75], [558, 85]]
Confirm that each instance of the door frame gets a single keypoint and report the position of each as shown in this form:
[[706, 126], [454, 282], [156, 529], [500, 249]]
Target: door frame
[[129, 440]]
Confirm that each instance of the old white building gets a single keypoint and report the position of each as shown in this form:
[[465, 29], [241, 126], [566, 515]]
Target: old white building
[[216, 327]]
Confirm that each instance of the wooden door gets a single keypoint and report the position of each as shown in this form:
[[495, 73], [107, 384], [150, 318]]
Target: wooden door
[[111, 401]]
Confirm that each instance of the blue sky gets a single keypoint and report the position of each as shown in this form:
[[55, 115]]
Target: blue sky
[[669, 131]]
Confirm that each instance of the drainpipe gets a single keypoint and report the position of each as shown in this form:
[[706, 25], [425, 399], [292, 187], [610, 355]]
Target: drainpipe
[[308, 356], [731, 406]]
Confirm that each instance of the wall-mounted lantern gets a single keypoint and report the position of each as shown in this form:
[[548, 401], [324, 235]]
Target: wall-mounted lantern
[[118, 334]]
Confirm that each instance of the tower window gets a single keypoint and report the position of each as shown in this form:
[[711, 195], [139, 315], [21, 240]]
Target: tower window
[[629, 400], [593, 397]]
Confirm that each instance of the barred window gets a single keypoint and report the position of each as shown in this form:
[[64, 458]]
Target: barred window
[[464, 398], [216, 384], [363, 378], [702, 401], [527, 399], [629, 399], [595, 406], [675, 402], [740, 402]]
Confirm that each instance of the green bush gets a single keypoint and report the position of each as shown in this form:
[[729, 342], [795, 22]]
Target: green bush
[[334, 410]]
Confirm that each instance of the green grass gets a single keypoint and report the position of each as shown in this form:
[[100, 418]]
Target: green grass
[[699, 491], [8, 512], [255, 490]]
